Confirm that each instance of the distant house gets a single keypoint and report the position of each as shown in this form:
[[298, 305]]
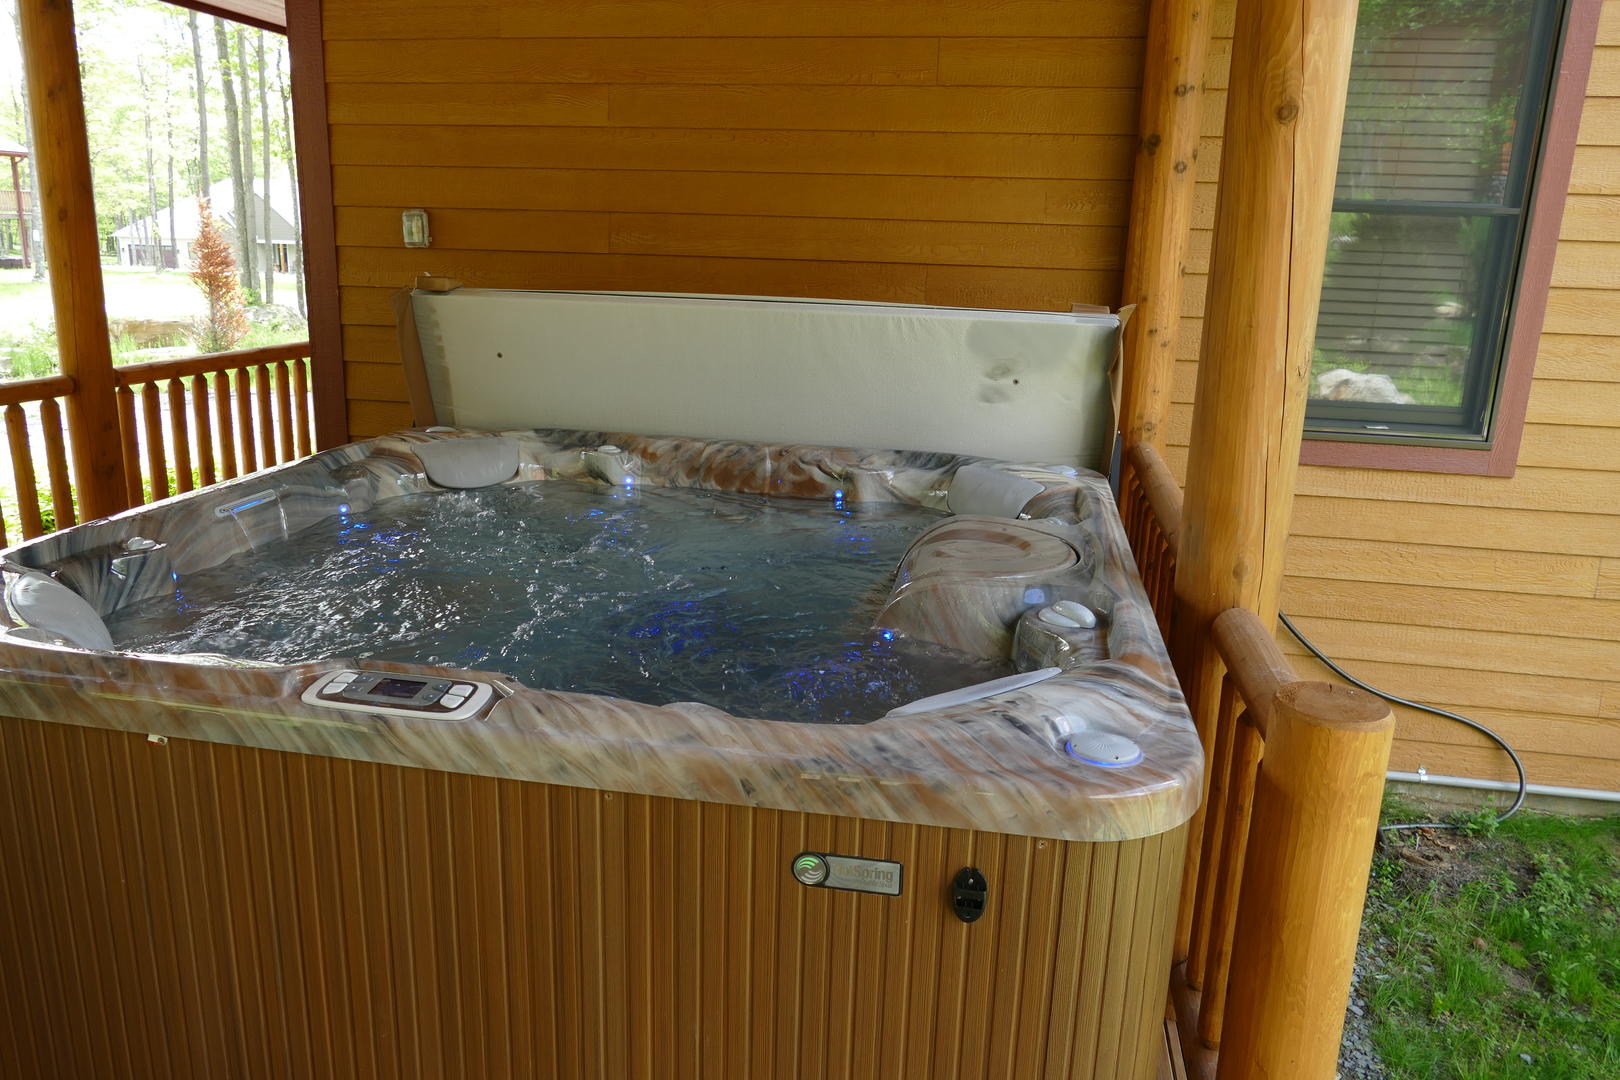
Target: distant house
[[138, 241]]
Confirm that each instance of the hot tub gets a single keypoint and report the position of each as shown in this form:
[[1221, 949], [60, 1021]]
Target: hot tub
[[333, 868]]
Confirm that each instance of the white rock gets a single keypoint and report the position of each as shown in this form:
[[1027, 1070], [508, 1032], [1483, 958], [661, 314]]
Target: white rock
[[1342, 384]]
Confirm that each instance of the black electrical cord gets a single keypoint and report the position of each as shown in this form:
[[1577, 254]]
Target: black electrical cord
[[1518, 800]]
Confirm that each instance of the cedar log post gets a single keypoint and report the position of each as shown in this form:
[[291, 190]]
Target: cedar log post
[[1285, 108], [1162, 190], [1314, 823], [67, 209]]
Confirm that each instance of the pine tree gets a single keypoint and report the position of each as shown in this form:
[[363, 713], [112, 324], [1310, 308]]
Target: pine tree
[[215, 275]]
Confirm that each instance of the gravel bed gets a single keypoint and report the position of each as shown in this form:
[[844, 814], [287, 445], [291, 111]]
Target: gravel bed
[[1358, 1058]]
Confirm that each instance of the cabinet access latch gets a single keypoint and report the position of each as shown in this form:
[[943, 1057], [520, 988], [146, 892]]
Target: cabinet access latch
[[969, 893]]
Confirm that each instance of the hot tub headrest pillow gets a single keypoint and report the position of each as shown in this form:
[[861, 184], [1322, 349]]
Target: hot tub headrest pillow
[[985, 491], [469, 463], [46, 604]]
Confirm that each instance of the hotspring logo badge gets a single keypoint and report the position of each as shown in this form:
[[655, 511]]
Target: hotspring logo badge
[[824, 871]]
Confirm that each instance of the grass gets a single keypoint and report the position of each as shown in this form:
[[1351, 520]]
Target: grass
[[1496, 953], [130, 294], [28, 339]]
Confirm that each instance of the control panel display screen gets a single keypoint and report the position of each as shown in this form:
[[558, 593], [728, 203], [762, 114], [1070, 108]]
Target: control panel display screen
[[396, 688]]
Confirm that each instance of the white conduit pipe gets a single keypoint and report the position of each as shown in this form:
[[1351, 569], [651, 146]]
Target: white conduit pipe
[[1438, 780]]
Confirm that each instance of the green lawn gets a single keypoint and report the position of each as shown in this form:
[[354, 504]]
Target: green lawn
[[1497, 955], [29, 346], [131, 293]]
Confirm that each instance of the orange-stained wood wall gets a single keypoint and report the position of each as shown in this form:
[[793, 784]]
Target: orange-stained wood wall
[[979, 152], [955, 152]]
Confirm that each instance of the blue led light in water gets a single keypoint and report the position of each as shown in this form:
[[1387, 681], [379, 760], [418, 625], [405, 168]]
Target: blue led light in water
[[887, 635], [343, 508]]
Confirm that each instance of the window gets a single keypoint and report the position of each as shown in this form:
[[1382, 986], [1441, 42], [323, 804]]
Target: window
[[1443, 129]]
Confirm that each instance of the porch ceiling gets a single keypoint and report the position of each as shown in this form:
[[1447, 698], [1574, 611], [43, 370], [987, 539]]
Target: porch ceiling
[[270, 14]]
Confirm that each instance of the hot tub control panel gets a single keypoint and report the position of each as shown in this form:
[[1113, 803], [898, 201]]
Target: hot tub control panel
[[404, 695]]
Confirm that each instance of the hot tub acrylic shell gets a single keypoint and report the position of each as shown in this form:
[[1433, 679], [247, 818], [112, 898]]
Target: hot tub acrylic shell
[[610, 877]]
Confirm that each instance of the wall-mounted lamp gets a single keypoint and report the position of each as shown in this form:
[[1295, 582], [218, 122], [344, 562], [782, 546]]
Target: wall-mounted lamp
[[414, 224]]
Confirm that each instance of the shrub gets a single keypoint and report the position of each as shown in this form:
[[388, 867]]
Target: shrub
[[215, 275]]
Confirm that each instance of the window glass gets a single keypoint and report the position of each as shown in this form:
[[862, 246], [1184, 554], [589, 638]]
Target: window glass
[[1442, 127]]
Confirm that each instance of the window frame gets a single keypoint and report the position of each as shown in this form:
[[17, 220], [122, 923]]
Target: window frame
[[1496, 454]]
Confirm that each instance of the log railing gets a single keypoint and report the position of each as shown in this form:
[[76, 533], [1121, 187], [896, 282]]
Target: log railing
[[1150, 505], [227, 414], [182, 423], [1281, 849], [29, 405]]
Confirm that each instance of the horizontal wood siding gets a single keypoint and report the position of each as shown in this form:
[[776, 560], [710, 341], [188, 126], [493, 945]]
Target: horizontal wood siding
[[953, 151], [1498, 597]]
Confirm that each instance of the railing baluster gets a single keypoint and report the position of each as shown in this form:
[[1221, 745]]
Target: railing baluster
[[205, 437], [50, 422], [1214, 833], [1243, 763], [227, 432], [265, 407], [301, 403], [156, 459], [244, 419], [284, 416], [130, 436], [22, 469], [182, 437]]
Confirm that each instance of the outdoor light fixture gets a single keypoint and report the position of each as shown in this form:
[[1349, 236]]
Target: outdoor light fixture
[[414, 224]]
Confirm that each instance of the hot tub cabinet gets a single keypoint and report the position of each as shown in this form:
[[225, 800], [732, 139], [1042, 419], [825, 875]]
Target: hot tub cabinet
[[208, 872], [207, 910]]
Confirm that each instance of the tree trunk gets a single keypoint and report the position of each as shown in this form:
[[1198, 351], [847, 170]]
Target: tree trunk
[[264, 142], [36, 227], [203, 177], [168, 131], [151, 167], [297, 196], [233, 142], [250, 261]]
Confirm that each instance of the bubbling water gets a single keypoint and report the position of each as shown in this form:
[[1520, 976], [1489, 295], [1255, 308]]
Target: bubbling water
[[761, 607]]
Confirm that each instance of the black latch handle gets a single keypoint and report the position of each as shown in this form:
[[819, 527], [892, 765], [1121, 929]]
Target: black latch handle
[[969, 894]]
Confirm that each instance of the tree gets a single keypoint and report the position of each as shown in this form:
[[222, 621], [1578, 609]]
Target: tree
[[158, 259], [204, 179], [291, 153], [250, 246], [215, 275], [269, 294], [233, 141]]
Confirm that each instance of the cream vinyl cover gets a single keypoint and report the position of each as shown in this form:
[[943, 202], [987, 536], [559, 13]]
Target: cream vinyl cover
[[1017, 385]]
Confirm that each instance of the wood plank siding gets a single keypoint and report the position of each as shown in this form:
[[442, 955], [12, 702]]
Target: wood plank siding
[[979, 152], [954, 152]]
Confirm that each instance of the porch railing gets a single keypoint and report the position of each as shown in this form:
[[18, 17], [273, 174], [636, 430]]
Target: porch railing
[[1150, 503], [1280, 852], [182, 423]]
